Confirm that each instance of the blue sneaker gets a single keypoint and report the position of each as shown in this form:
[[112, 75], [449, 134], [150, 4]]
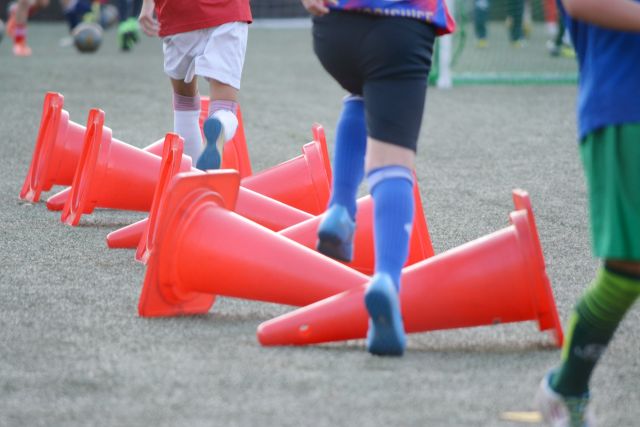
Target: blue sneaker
[[335, 234], [563, 411], [210, 157], [386, 332]]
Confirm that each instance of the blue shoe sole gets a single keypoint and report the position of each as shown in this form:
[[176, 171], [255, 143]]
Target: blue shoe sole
[[332, 246], [210, 157], [386, 332]]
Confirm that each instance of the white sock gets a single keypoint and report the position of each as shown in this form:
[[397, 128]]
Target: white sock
[[187, 125], [229, 123]]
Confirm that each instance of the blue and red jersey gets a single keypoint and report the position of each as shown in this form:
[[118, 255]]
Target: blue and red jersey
[[434, 12]]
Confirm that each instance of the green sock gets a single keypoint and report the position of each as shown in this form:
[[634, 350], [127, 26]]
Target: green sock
[[591, 326]]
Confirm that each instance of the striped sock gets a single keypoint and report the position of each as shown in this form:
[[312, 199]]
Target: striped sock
[[186, 123], [591, 327], [20, 33], [392, 191]]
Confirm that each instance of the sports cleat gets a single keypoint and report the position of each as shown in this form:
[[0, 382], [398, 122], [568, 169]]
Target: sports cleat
[[21, 49], [386, 335], [210, 156], [335, 234], [482, 43], [563, 411]]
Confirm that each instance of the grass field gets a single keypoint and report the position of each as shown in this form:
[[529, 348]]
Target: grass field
[[73, 351]]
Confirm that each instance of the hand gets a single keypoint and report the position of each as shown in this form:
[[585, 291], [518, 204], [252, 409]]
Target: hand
[[148, 23], [317, 7]]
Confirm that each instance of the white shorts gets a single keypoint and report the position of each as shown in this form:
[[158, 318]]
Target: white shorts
[[215, 53]]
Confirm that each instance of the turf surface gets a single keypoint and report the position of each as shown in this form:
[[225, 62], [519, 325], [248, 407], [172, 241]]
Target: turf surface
[[73, 351]]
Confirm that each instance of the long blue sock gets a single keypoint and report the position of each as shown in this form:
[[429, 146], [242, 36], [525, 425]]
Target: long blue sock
[[350, 148], [392, 191]]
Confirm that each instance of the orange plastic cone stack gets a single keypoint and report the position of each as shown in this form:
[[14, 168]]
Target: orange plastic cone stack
[[420, 246], [203, 249], [235, 154], [111, 174], [254, 206], [302, 182], [499, 278], [56, 154]]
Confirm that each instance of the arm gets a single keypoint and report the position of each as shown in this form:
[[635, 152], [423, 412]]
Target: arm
[[622, 15], [148, 23], [317, 7]]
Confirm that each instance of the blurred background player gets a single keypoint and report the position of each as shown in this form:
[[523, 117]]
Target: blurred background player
[[606, 37], [128, 29], [382, 61], [208, 39], [19, 13], [518, 21]]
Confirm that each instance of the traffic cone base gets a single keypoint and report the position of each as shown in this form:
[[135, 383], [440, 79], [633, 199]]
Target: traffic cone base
[[58, 139], [499, 278], [111, 174], [182, 198], [202, 247]]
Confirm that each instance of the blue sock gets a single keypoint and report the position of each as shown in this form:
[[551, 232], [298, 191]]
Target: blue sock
[[348, 159], [392, 191]]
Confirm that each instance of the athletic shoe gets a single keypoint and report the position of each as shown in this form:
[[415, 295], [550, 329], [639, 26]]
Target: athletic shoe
[[214, 134], [386, 332], [21, 49], [563, 411], [335, 233]]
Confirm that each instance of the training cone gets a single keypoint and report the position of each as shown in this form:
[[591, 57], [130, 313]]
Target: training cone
[[129, 236], [202, 249], [302, 182], [235, 155], [499, 278], [56, 154], [111, 174], [420, 246], [254, 206]]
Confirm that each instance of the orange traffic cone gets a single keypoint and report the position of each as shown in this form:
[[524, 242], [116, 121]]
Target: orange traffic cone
[[420, 246], [302, 182], [129, 236], [254, 206], [202, 248], [56, 154], [235, 154], [111, 174], [499, 278]]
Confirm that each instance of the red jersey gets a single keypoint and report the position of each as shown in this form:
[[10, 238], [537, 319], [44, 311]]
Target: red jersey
[[181, 16]]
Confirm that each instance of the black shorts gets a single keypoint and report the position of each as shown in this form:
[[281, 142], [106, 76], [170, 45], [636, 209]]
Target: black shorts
[[384, 59]]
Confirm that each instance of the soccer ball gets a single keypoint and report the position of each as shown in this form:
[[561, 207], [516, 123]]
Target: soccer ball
[[87, 37]]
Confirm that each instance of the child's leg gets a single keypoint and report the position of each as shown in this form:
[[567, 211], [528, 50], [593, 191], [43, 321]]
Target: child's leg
[[186, 114], [74, 10], [221, 125], [480, 15], [593, 323], [335, 234], [17, 27], [390, 180]]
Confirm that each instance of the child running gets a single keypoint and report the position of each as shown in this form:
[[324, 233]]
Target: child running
[[606, 37], [208, 39], [380, 52]]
